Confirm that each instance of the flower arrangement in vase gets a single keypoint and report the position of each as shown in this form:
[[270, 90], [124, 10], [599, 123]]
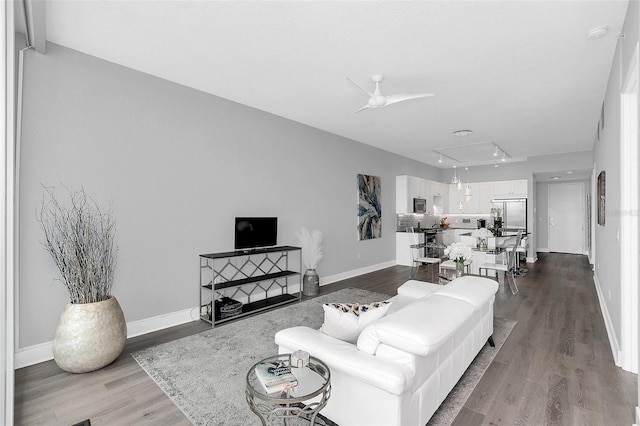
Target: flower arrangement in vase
[[481, 234], [458, 252]]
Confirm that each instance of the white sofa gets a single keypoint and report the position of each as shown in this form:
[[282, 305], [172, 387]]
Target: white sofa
[[404, 364]]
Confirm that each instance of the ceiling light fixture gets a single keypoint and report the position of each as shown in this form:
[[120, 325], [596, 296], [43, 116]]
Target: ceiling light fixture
[[495, 153], [598, 32], [443, 156], [462, 133], [504, 156], [467, 192], [555, 177]]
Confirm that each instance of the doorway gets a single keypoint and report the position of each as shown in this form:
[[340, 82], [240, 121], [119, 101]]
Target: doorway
[[566, 218]]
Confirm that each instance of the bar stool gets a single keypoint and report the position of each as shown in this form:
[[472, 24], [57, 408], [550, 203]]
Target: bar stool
[[421, 260], [520, 249], [510, 269]]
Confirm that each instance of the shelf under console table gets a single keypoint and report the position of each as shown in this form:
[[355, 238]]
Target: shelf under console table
[[260, 278]]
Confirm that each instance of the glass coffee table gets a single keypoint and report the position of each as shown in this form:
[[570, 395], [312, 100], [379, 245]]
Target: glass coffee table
[[306, 399]]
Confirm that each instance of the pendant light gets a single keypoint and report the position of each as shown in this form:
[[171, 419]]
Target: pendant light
[[467, 192], [455, 179]]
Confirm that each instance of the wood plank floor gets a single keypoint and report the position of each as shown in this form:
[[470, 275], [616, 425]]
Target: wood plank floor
[[555, 368]]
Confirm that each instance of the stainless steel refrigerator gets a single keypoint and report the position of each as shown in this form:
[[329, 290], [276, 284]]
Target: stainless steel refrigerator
[[513, 213]]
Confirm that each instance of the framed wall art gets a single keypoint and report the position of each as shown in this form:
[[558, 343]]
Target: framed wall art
[[369, 207], [602, 197]]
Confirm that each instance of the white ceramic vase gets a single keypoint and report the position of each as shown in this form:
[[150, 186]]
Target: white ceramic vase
[[89, 336]]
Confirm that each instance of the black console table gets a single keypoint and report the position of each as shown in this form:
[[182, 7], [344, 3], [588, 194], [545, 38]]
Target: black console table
[[260, 278]]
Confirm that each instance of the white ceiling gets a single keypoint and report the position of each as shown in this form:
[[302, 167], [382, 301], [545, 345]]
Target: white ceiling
[[522, 74]]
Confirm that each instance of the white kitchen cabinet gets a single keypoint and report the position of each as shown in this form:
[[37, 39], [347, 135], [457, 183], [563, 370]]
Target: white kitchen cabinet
[[403, 249], [410, 187], [440, 197], [481, 195], [403, 195], [510, 189], [473, 205], [485, 192], [426, 193], [454, 197]]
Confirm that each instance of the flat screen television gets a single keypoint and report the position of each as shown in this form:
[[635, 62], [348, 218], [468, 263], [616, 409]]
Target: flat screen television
[[254, 232]]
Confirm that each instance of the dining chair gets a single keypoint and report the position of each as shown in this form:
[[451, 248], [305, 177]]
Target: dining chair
[[510, 269]]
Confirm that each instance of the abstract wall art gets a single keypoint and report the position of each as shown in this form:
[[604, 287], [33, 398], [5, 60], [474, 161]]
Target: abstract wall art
[[369, 207], [602, 197]]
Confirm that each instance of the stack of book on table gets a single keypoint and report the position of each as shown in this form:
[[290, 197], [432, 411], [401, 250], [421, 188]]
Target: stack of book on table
[[275, 377]]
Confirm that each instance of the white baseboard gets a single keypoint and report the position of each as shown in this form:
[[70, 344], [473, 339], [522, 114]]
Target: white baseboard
[[354, 273], [44, 352], [637, 416], [160, 322], [31, 355], [532, 259], [616, 351], [543, 250]]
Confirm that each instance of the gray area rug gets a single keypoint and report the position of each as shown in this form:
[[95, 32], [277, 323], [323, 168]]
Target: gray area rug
[[204, 374]]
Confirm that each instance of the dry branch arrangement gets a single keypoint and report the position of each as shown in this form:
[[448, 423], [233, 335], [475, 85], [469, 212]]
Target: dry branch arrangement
[[311, 243], [81, 239]]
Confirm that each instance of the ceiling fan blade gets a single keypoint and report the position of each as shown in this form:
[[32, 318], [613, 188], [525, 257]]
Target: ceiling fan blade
[[400, 98], [358, 86], [367, 106]]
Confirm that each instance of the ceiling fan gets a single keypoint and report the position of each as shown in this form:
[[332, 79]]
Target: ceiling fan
[[377, 100]]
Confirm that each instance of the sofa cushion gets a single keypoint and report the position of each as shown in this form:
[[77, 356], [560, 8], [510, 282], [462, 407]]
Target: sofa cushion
[[345, 321], [475, 290], [419, 327], [416, 289]]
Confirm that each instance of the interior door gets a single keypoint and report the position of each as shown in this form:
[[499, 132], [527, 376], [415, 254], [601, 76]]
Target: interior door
[[566, 218]]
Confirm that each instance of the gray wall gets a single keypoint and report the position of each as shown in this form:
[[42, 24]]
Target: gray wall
[[178, 165], [607, 157]]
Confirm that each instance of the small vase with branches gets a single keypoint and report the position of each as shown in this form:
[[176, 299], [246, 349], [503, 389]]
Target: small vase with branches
[[311, 242]]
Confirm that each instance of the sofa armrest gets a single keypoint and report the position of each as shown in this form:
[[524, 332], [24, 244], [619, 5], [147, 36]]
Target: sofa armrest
[[345, 357]]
